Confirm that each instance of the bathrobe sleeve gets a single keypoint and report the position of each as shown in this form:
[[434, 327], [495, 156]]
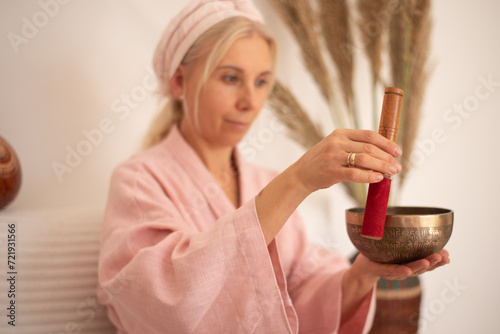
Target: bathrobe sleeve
[[314, 278]]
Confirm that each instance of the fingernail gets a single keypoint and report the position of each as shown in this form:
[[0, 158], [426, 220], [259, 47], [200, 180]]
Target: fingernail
[[399, 167], [379, 177], [393, 169], [398, 151]]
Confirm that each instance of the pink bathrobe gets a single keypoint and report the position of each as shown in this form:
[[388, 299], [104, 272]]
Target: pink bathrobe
[[178, 257]]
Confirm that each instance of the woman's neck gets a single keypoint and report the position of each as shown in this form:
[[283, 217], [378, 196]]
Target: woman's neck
[[216, 160], [225, 170], [221, 164]]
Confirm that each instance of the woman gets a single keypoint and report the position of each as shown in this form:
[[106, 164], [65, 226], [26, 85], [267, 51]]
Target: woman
[[196, 240]]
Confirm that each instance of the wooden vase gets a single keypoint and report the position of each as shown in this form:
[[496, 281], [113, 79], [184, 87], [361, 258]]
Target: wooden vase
[[10, 173]]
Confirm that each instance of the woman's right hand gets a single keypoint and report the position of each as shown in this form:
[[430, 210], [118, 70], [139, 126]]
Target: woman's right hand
[[322, 166], [325, 164]]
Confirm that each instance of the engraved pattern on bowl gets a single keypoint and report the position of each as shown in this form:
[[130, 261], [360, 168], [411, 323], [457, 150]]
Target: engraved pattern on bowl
[[410, 233]]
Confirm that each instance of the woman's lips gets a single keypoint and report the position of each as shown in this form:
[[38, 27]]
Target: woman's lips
[[238, 124]]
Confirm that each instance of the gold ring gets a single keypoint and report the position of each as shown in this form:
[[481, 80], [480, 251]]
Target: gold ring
[[351, 159]]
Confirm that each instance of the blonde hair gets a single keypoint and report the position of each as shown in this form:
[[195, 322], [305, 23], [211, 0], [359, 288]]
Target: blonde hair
[[213, 45]]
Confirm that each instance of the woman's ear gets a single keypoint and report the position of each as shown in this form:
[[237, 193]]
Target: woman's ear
[[177, 82]]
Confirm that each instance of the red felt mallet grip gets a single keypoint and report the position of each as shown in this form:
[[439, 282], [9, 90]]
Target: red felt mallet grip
[[378, 193]]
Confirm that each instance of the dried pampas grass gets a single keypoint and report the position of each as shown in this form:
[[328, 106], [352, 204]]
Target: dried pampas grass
[[374, 17], [300, 18], [410, 33], [373, 20], [406, 24], [334, 17], [295, 118]]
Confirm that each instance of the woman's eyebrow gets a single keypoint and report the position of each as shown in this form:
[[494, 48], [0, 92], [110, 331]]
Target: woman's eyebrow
[[235, 68], [230, 67]]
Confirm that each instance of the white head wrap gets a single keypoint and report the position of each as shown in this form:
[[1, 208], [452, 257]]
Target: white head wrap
[[185, 28]]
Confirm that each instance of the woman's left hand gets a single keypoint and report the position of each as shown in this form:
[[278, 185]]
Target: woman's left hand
[[374, 270], [360, 278]]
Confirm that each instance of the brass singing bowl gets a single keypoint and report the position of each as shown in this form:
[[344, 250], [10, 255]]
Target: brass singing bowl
[[410, 234]]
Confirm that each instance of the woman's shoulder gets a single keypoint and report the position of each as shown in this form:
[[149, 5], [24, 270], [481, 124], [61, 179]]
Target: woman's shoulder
[[145, 161]]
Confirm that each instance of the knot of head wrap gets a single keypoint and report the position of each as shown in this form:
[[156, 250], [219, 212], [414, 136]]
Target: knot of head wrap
[[185, 28]]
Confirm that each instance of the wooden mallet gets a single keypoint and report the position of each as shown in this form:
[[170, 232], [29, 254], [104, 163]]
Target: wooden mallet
[[378, 193]]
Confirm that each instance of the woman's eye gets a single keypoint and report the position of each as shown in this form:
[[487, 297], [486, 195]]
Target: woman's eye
[[261, 82], [230, 78]]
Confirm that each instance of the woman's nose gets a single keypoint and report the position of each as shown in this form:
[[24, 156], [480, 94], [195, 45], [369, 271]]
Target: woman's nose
[[246, 98]]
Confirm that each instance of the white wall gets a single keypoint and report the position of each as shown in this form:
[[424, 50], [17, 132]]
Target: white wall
[[79, 66]]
